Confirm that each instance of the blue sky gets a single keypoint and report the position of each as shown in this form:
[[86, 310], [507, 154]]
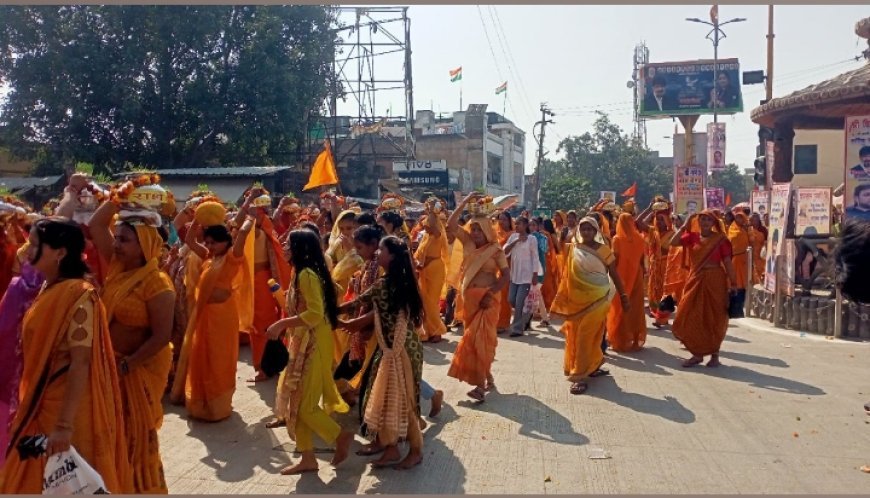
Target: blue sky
[[579, 58]]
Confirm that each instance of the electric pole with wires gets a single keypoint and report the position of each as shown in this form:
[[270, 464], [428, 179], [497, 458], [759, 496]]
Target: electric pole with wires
[[545, 111]]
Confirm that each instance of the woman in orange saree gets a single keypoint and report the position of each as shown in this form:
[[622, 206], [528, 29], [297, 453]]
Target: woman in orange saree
[[431, 258], [503, 229], [206, 376], [626, 328], [589, 282], [553, 267], [140, 302], [702, 315], [659, 244], [484, 273], [740, 238], [759, 241], [69, 385]]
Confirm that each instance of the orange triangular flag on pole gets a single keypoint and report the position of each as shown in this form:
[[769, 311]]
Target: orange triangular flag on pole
[[728, 200], [714, 13], [630, 191], [323, 171]]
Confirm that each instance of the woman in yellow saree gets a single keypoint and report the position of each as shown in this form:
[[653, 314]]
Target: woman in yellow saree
[[483, 275], [307, 382], [589, 282], [206, 376], [626, 328], [69, 385], [431, 258], [344, 262], [140, 305], [702, 315]]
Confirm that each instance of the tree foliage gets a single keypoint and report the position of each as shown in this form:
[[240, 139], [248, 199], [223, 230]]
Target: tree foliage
[[600, 160], [164, 86], [733, 182]]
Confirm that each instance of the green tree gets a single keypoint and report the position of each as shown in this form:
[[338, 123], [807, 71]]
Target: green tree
[[602, 159], [733, 182], [163, 86]]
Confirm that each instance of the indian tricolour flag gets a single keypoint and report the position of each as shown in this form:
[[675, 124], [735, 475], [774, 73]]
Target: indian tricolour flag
[[501, 89], [456, 74]]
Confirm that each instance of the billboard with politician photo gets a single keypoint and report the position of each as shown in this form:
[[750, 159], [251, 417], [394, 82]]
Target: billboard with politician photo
[[688, 88]]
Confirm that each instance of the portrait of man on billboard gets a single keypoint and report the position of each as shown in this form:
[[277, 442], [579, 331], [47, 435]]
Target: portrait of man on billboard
[[862, 169], [718, 160], [658, 98], [861, 208], [691, 207]]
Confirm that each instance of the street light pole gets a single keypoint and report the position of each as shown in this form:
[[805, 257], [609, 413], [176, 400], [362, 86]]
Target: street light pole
[[717, 34]]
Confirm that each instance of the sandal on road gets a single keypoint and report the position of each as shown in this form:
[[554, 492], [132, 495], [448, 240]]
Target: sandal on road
[[600, 373], [578, 388]]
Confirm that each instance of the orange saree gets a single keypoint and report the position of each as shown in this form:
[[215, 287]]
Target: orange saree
[[739, 238], [626, 330], [125, 296], [702, 315], [552, 273], [98, 428], [505, 311]]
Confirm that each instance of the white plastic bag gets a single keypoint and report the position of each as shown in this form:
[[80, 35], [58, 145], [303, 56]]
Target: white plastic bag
[[67, 473], [532, 300]]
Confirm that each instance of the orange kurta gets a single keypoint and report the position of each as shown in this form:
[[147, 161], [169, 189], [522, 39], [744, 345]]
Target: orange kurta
[[702, 316], [98, 428], [126, 296], [626, 330], [211, 372], [432, 254]]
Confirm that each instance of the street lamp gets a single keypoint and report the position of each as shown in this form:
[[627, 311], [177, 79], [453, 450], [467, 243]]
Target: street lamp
[[717, 34]]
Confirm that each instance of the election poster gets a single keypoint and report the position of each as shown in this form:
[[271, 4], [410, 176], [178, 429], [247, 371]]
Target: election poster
[[780, 196], [857, 184], [714, 198], [689, 189], [716, 147], [760, 200], [688, 88], [813, 216], [609, 195]]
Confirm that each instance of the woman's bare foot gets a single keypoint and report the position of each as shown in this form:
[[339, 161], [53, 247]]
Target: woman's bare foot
[[307, 464], [370, 449], [477, 394], [350, 398], [414, 458], [391, 455], [342, 447], [691, 362], [437, 400], [272, 424], [714, 361]]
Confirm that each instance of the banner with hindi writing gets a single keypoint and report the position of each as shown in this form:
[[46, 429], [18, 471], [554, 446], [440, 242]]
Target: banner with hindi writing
[[716, 147], [780, 196], [813, 216], [714, 198], [689, 188], [857, 184], [760, 201]]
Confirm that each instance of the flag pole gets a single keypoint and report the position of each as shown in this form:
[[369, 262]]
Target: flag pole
[[460, 94], [504, 104]]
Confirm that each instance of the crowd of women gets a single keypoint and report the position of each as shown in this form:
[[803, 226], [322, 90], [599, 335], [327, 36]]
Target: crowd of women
[[116, 299]]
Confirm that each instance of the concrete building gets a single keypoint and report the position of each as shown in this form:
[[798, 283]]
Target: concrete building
[[818, 158]]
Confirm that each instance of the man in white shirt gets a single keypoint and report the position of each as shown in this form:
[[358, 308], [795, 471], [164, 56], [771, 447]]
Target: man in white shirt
[[525, 268]]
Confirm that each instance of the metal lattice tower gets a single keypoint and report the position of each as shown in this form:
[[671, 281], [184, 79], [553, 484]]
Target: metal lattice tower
[[372, 64], [641, 58]]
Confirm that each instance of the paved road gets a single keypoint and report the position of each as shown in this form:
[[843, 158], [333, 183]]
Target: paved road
[[782, 415]]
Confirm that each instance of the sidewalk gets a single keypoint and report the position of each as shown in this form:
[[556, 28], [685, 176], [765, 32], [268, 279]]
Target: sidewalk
[[782, 415]]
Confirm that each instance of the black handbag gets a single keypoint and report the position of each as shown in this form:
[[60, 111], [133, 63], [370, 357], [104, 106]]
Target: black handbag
[[668, 304], [275, 357], [736, 302]]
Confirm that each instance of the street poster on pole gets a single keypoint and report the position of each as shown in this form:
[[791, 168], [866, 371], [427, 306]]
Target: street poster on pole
[[780, 196], [857, 184], [716, 147], [760, 200], [714, 198], [813, 217], [689, 188], [609, 195], [769, 157]]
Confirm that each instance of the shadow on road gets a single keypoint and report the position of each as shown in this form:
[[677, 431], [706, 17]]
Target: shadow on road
[[641, 361], [537, 339], [227, 440], [668, 408], [751, 358], [537, 420]]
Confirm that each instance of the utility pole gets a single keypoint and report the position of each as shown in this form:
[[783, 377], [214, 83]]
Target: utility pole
[[545, 111], [769, 94]]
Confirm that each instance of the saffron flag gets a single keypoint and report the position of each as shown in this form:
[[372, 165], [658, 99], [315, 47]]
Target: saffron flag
[[501, 89], [323, 171], [456, 74], [630, 191], [714, 13], [728, 200]]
